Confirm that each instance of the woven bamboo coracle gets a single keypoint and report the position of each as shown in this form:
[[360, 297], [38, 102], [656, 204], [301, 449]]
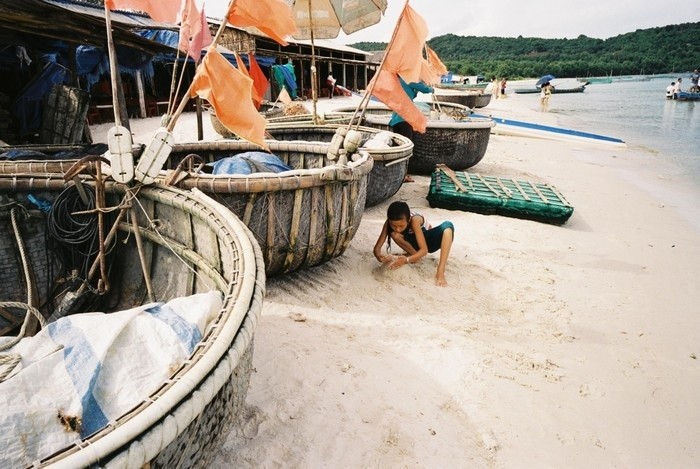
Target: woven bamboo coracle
[[390, 164], [465, 98], [300, 218], [187, 244]]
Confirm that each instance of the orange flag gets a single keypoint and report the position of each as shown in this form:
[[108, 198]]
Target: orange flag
[[257, 100], [260, 82], [159, 10], [272, 17], [228, 90], [194, 31], [435, 61], [406, 51], [388, 90], [428, 73]]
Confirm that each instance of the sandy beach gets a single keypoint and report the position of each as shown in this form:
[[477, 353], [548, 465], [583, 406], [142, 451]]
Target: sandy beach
[[552, 346]]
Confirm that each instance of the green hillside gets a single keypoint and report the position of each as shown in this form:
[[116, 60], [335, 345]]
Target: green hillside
[[673, 48]]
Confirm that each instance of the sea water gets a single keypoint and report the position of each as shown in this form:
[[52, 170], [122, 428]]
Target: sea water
[[638, 113]]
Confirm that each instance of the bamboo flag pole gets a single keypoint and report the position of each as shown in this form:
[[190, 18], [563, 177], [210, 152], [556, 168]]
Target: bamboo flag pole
[[112, 66], [314, 72], [185, 99], [365, 99]]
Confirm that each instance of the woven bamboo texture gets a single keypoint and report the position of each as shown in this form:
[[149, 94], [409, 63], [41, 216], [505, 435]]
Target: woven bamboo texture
[[390, 164], [325, 118], [459, 145], [490, 195], [466, 98], [300, 218], [199, 245]]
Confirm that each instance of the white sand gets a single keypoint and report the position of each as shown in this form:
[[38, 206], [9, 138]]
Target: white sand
[[552, 346]]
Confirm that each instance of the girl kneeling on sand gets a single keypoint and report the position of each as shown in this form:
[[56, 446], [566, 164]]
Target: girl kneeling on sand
[[416, 237]]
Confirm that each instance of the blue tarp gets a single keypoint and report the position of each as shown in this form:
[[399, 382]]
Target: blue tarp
[[28, 106], [248, 163]]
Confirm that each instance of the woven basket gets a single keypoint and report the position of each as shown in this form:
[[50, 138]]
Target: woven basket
[[322, 119], [189, 415], [483, 100], [301, 218], [465, 98], [268, 110], [459, 145], [390, 164]]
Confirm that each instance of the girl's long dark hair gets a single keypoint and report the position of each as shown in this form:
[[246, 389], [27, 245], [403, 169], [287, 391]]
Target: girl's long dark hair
[[397, 211]]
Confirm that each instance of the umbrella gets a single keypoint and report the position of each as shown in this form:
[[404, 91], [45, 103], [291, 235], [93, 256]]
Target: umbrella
[[544, 79], [323, 19]]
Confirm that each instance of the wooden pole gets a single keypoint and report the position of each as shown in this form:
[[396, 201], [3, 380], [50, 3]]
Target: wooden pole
[[186, 97], [115, 78], [368, 94]]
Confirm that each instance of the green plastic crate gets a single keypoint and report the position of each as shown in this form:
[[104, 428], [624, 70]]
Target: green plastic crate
[[461, 190]]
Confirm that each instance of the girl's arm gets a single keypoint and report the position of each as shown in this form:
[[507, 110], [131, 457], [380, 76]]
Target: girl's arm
[[380, 242]]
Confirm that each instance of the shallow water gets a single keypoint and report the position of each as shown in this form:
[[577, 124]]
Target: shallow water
[[639, 114]]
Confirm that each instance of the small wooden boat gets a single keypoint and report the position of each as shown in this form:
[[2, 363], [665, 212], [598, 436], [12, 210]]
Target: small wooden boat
[[462, 190], [300, 218], [390, 164], [555, 89], [155, 243], [687, 96]]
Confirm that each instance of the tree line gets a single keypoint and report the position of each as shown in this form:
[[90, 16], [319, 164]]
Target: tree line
[[667, 49]]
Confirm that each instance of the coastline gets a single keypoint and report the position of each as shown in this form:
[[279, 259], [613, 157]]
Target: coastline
[[551, 346]]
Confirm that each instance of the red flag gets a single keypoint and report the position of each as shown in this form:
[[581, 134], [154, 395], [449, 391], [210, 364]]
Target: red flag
[[260, 82], [257, 100], [228, 90], [272, 17], [159, 10], [406, 51], [388, 90], [194, 31]]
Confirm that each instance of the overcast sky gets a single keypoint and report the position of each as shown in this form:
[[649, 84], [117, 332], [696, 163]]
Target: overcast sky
[[512, 18]]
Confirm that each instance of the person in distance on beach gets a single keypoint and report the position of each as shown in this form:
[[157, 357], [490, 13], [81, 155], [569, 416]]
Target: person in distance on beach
[[545, 93], [412, 233]]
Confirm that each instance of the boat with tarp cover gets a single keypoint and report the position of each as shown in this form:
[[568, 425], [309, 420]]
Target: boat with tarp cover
[[75, 242]]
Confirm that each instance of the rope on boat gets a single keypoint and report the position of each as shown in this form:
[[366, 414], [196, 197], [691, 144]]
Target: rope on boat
[[11, 360]]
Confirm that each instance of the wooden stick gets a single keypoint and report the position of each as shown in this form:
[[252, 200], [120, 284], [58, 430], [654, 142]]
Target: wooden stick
[[451, 174], [368, 94]]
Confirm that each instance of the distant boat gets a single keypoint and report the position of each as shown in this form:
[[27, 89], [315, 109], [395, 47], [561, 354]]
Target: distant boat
[[530, 129], [597, 80], [559, 89], [688, 96]]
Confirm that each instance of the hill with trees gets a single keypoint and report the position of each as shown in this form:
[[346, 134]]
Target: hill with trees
[[673, 48]]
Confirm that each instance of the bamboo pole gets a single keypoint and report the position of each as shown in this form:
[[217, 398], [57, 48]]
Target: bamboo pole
[[114, 69], [365, 99], [178, 112]]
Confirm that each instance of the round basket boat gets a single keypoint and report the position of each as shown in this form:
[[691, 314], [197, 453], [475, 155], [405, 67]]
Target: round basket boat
[[465, 98], [483, 100], [390, 164], [300, 218], [268, 110], [458, 144], [187, 243], [322, 119]]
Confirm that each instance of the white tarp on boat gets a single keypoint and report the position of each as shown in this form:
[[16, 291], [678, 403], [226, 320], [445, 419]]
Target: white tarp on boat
[[82, 372]]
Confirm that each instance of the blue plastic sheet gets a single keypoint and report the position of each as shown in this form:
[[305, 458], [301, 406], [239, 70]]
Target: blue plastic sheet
[[249, 163]]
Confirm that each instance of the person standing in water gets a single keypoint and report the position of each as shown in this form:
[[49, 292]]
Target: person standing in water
[[416, 237]]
